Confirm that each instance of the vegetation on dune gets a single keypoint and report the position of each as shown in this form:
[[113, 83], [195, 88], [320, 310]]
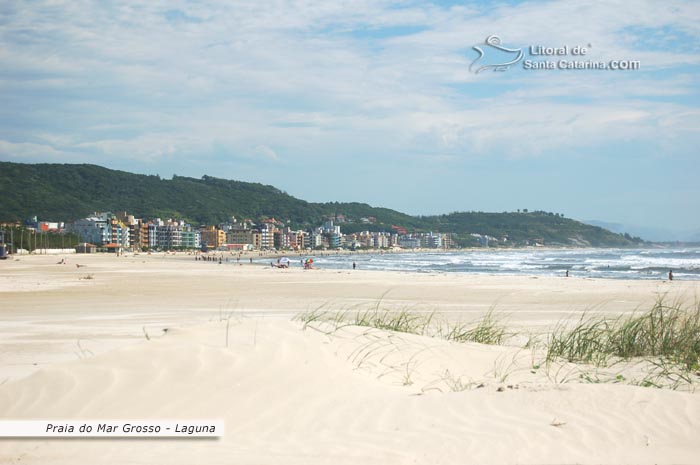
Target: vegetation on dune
[[665, 339], [486, 330], [668, 332]]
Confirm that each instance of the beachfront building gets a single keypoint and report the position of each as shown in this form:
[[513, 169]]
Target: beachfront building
[[295, 239], [137, 234], [266, 232], [431, 241], [168, 237], [213, 237], [138, 230], [350, 241], [152, 228], [316, 239], [100, 229], [177, 235], [307, 241], [334, 240], [119, 234], [280, 240], [93, 229], [409, 242], [448, 241], [240, 236]]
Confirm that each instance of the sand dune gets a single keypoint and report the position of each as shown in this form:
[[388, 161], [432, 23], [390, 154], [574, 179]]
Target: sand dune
[[288, 395], [293, 396]]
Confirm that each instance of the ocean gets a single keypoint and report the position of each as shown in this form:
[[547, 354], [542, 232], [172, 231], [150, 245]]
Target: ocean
[[590, 263]]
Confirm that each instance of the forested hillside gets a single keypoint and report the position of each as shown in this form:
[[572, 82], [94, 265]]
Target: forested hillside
[[64, 192]]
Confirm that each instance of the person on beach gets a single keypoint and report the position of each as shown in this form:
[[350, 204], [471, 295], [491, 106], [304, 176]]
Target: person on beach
[[354, 265], [567, 273], [670, 275]]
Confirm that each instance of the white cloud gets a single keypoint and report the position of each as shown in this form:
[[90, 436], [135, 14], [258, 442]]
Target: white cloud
[[310, 77], [30, 152], [266, 152]]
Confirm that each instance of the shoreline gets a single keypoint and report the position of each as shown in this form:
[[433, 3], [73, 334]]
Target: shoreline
[[111, 300]]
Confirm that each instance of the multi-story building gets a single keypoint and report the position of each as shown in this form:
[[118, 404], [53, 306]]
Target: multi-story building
[[177, 234], [127, 231], [448, 241], [93, 229], [409, 242], [240, 236], [191, 238], [431, 241], [316, 239], [213, 237], [267, 239], [295, 239], [152, 236], [101, 229], [257, 240], [334, 240], [381, 240], [119, 233]]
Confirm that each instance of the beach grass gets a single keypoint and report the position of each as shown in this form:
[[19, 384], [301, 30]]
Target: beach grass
[[402, 321], [667, 332], [489, 329], [664, 339]]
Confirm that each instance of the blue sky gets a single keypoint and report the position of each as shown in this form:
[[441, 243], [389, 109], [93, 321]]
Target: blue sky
[[369, 101]]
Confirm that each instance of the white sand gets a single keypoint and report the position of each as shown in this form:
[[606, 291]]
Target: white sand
[[75, 348]]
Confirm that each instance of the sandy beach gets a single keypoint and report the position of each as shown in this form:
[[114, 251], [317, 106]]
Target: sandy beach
[[165, 336]]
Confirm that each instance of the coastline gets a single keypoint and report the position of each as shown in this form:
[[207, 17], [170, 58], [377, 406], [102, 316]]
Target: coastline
[[111, 300]]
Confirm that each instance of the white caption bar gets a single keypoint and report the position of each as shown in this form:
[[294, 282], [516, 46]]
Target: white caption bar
[[111, 428]]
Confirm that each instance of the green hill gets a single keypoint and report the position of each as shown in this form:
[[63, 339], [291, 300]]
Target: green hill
[[66, 192]]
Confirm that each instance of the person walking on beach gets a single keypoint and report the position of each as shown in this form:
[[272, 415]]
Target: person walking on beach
[[354, 265], [670, 275]]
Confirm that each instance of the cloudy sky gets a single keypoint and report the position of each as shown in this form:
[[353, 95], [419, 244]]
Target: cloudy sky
[[370, 101]]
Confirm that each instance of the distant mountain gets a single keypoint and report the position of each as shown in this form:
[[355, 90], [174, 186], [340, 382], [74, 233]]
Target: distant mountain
[[647, 233], [65, 192]]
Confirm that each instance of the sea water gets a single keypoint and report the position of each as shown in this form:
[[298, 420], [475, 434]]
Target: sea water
[[590, 263]]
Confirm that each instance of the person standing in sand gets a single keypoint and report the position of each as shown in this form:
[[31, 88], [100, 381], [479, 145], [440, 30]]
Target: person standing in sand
[[670, 275]]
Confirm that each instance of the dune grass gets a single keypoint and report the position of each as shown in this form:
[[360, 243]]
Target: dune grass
[[664, 339], [402, 321], [488, 329], [670, 333]]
